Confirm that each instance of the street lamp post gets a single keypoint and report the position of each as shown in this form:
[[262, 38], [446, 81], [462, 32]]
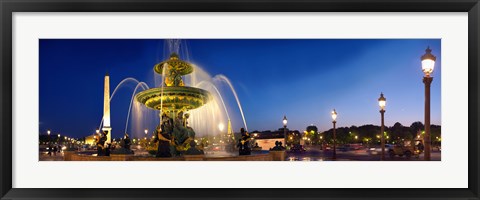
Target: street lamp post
[[382, 101], [285, 130], [428, 64], [146, 134], [334, 117], [49, 139]]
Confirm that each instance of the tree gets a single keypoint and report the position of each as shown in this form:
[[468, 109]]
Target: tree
[[397, 132], [312, 133], [436, 134], [416, 127], [397, 126]]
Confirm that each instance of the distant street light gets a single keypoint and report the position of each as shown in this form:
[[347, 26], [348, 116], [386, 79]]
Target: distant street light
[[285, 130], [97, 131], [146, 134], [382, 102], [221, 127], [428, 64], [48, 133], [334, 117]]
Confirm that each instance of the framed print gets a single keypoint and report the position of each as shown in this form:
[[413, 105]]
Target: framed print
[[246, 100]]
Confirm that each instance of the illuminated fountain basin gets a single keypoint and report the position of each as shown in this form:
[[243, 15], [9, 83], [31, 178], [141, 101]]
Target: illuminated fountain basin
[[174, 99], [173, 96]]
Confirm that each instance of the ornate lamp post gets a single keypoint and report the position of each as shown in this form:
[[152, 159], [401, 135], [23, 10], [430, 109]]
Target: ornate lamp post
[[428, 64], [334, 118], [285, 130], [382, 101]]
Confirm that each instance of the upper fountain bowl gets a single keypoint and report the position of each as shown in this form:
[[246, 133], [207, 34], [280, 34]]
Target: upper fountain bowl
[[173, 95], [174, 64]]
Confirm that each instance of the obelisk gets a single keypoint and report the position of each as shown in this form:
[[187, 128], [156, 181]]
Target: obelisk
[[106, 108]]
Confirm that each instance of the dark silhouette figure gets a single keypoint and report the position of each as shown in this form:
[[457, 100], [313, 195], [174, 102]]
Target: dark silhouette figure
[[193, 149], [50, 149], [240, 146], [55, 150], [244, 143], [127, 142], [277, 147], [280, 144], [107, 149], [101, 144], [164, 141]]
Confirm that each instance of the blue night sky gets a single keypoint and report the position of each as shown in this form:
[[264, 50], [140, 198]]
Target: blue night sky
[[302, 78]]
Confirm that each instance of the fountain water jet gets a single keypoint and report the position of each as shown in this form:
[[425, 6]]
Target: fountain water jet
[[218, 93], [145, 86], [131, 100], [225, 79]]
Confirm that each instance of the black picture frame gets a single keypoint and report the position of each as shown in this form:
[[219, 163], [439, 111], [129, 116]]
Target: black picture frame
[[7, 7]]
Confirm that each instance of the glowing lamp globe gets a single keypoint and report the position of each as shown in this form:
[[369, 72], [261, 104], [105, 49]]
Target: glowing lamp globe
[[428, 62], [382, 101], [334, 115]]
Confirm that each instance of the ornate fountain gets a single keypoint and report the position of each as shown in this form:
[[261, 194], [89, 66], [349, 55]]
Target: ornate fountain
[[173, 99]]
